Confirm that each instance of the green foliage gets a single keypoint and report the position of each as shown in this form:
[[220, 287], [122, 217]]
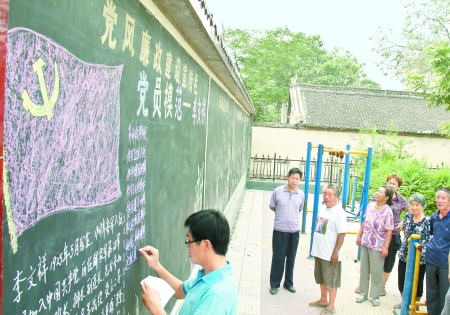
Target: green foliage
[[426, 21], [437, 88], [420, 55], [269, 59], [390, 156]]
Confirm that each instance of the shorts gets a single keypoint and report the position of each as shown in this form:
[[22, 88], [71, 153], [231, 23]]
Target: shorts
[[394, 246], [327, 274]]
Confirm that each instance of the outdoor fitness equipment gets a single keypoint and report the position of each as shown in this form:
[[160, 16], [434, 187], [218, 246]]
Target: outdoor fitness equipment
[[365, 190], [409, 302]]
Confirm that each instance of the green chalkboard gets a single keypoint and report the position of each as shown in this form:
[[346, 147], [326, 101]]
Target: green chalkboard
[[106, 150], [227, 148]]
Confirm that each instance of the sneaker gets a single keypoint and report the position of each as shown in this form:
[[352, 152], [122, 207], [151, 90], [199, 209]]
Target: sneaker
[[273, 291]]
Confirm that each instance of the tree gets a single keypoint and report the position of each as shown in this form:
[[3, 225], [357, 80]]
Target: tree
[[436, 87], [269, 59], [420, 55]]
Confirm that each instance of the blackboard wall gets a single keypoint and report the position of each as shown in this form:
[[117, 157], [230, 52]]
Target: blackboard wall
[[114, 134]]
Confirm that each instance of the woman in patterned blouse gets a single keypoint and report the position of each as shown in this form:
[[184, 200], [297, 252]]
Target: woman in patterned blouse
[[374, 237], [415, 222]]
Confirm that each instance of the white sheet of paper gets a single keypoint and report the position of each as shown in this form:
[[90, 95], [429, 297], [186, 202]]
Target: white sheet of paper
[[163, 288]]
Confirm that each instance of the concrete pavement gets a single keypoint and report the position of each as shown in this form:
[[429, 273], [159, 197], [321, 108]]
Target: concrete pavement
[[250, 253]]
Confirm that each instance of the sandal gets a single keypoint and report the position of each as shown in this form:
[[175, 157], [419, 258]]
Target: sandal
[[397, 306], [361, 299], [327, 311], [316, 304], [376, 302], [383, 291]]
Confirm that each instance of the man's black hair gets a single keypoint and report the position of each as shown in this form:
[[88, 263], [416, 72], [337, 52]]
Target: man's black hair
[[295, 170], [210, 225]]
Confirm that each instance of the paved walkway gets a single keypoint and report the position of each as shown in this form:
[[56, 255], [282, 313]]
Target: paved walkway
[[250, 253]]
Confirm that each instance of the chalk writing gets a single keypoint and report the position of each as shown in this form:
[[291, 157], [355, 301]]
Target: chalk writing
[[157, 98], [168, 72], [135, 192], [142, 88], [168, 106], [191, 80], [177, 70], [223, 104], [145, 48], [109, 12], [199, 112], [84, 125], [195, 83], [92, 284], [137, 133], [178, 102], [102, 230], [16, 288], [157, 58], [199, 188], [129, 35], [184, 81]]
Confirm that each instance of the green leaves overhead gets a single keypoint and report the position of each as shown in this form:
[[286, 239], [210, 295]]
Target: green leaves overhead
[[437, 87], [420, 55], [269, 59]]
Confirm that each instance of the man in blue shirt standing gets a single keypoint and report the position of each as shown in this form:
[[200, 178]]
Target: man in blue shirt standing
[[214, 289], [436, 254], [287, 203]]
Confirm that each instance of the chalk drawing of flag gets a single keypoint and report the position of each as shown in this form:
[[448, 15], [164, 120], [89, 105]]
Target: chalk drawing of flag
[[61, 130]]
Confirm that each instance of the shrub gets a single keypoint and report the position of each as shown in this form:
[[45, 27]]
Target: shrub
[[392, 156]]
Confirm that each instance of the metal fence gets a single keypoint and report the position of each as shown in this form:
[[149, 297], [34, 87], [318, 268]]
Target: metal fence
[[273, 168]]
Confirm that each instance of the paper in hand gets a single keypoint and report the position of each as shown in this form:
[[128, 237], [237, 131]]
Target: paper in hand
[[164, 289]]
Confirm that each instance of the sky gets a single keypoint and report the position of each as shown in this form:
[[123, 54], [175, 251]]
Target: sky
[[347, 24]]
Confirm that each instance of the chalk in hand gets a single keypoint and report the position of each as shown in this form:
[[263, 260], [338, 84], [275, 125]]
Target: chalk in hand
[[143, 251]]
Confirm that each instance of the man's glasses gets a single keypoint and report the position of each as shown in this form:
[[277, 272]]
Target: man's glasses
[[190, 242]]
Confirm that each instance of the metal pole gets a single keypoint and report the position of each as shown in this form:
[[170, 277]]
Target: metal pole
[[274, 165], [365, 191], [346, 178], [306, 188], [355, 186], [339, 178], [331, 170], [316, 196], [365, 201], [409, 274]]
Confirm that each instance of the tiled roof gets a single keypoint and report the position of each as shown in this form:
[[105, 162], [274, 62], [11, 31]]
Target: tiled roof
[[343, 108]]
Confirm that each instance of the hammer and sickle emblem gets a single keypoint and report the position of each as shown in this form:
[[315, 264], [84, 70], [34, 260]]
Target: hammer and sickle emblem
[[47, 107]]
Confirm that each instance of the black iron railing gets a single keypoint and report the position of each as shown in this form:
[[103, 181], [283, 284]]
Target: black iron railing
[[273, 168]]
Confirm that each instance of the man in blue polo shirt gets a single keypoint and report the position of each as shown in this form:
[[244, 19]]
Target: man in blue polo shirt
[[437, 252], [287, 203], [214, 289]]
